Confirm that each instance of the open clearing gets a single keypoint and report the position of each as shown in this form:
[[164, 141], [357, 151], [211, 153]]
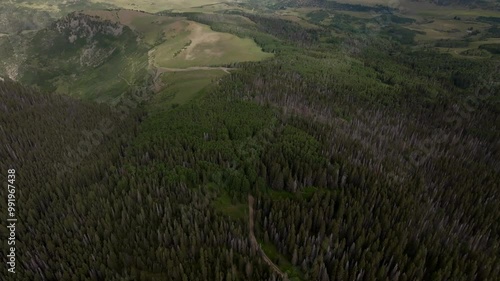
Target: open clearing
[[180, 43], [49, 7], [190, 44], [185, 56], [224, 205], [181, 87]]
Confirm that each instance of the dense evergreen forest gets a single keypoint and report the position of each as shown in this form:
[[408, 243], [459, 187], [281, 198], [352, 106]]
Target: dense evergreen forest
[[349, 155]]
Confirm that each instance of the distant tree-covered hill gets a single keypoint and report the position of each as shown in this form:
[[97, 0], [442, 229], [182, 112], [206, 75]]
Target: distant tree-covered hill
[[485, 4], [78, 54]]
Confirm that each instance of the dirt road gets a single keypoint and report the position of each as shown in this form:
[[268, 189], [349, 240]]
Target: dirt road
[[158, 70], [256, 244]]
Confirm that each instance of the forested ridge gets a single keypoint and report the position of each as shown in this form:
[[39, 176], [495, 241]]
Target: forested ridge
[[368, 158]]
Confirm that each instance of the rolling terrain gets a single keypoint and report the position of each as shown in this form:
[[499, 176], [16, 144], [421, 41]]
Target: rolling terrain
[[252, 140], [99, 54]]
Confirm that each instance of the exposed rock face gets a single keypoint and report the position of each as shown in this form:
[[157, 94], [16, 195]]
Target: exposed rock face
[[92, 56], [12, 54], [68, 50], [80, 26], [89, 33]]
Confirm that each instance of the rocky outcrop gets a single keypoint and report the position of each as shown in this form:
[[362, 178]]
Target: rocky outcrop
[[77, 26]]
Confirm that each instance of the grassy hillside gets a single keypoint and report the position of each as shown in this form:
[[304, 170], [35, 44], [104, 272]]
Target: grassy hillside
[[99, 54], [180, 43], [191, 44], [181, 87]]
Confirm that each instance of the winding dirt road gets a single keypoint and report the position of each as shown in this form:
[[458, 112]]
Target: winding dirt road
[[157, 71], [254, 242]]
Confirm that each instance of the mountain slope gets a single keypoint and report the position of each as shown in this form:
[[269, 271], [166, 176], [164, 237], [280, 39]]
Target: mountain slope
[[79, 51]]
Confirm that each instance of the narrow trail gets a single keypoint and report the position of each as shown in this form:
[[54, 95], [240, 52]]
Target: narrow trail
[[158, 70], [253, 240]]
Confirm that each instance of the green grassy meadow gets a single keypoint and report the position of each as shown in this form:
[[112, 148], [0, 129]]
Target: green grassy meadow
[[181, 87], [224, 205], [194, 45]]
